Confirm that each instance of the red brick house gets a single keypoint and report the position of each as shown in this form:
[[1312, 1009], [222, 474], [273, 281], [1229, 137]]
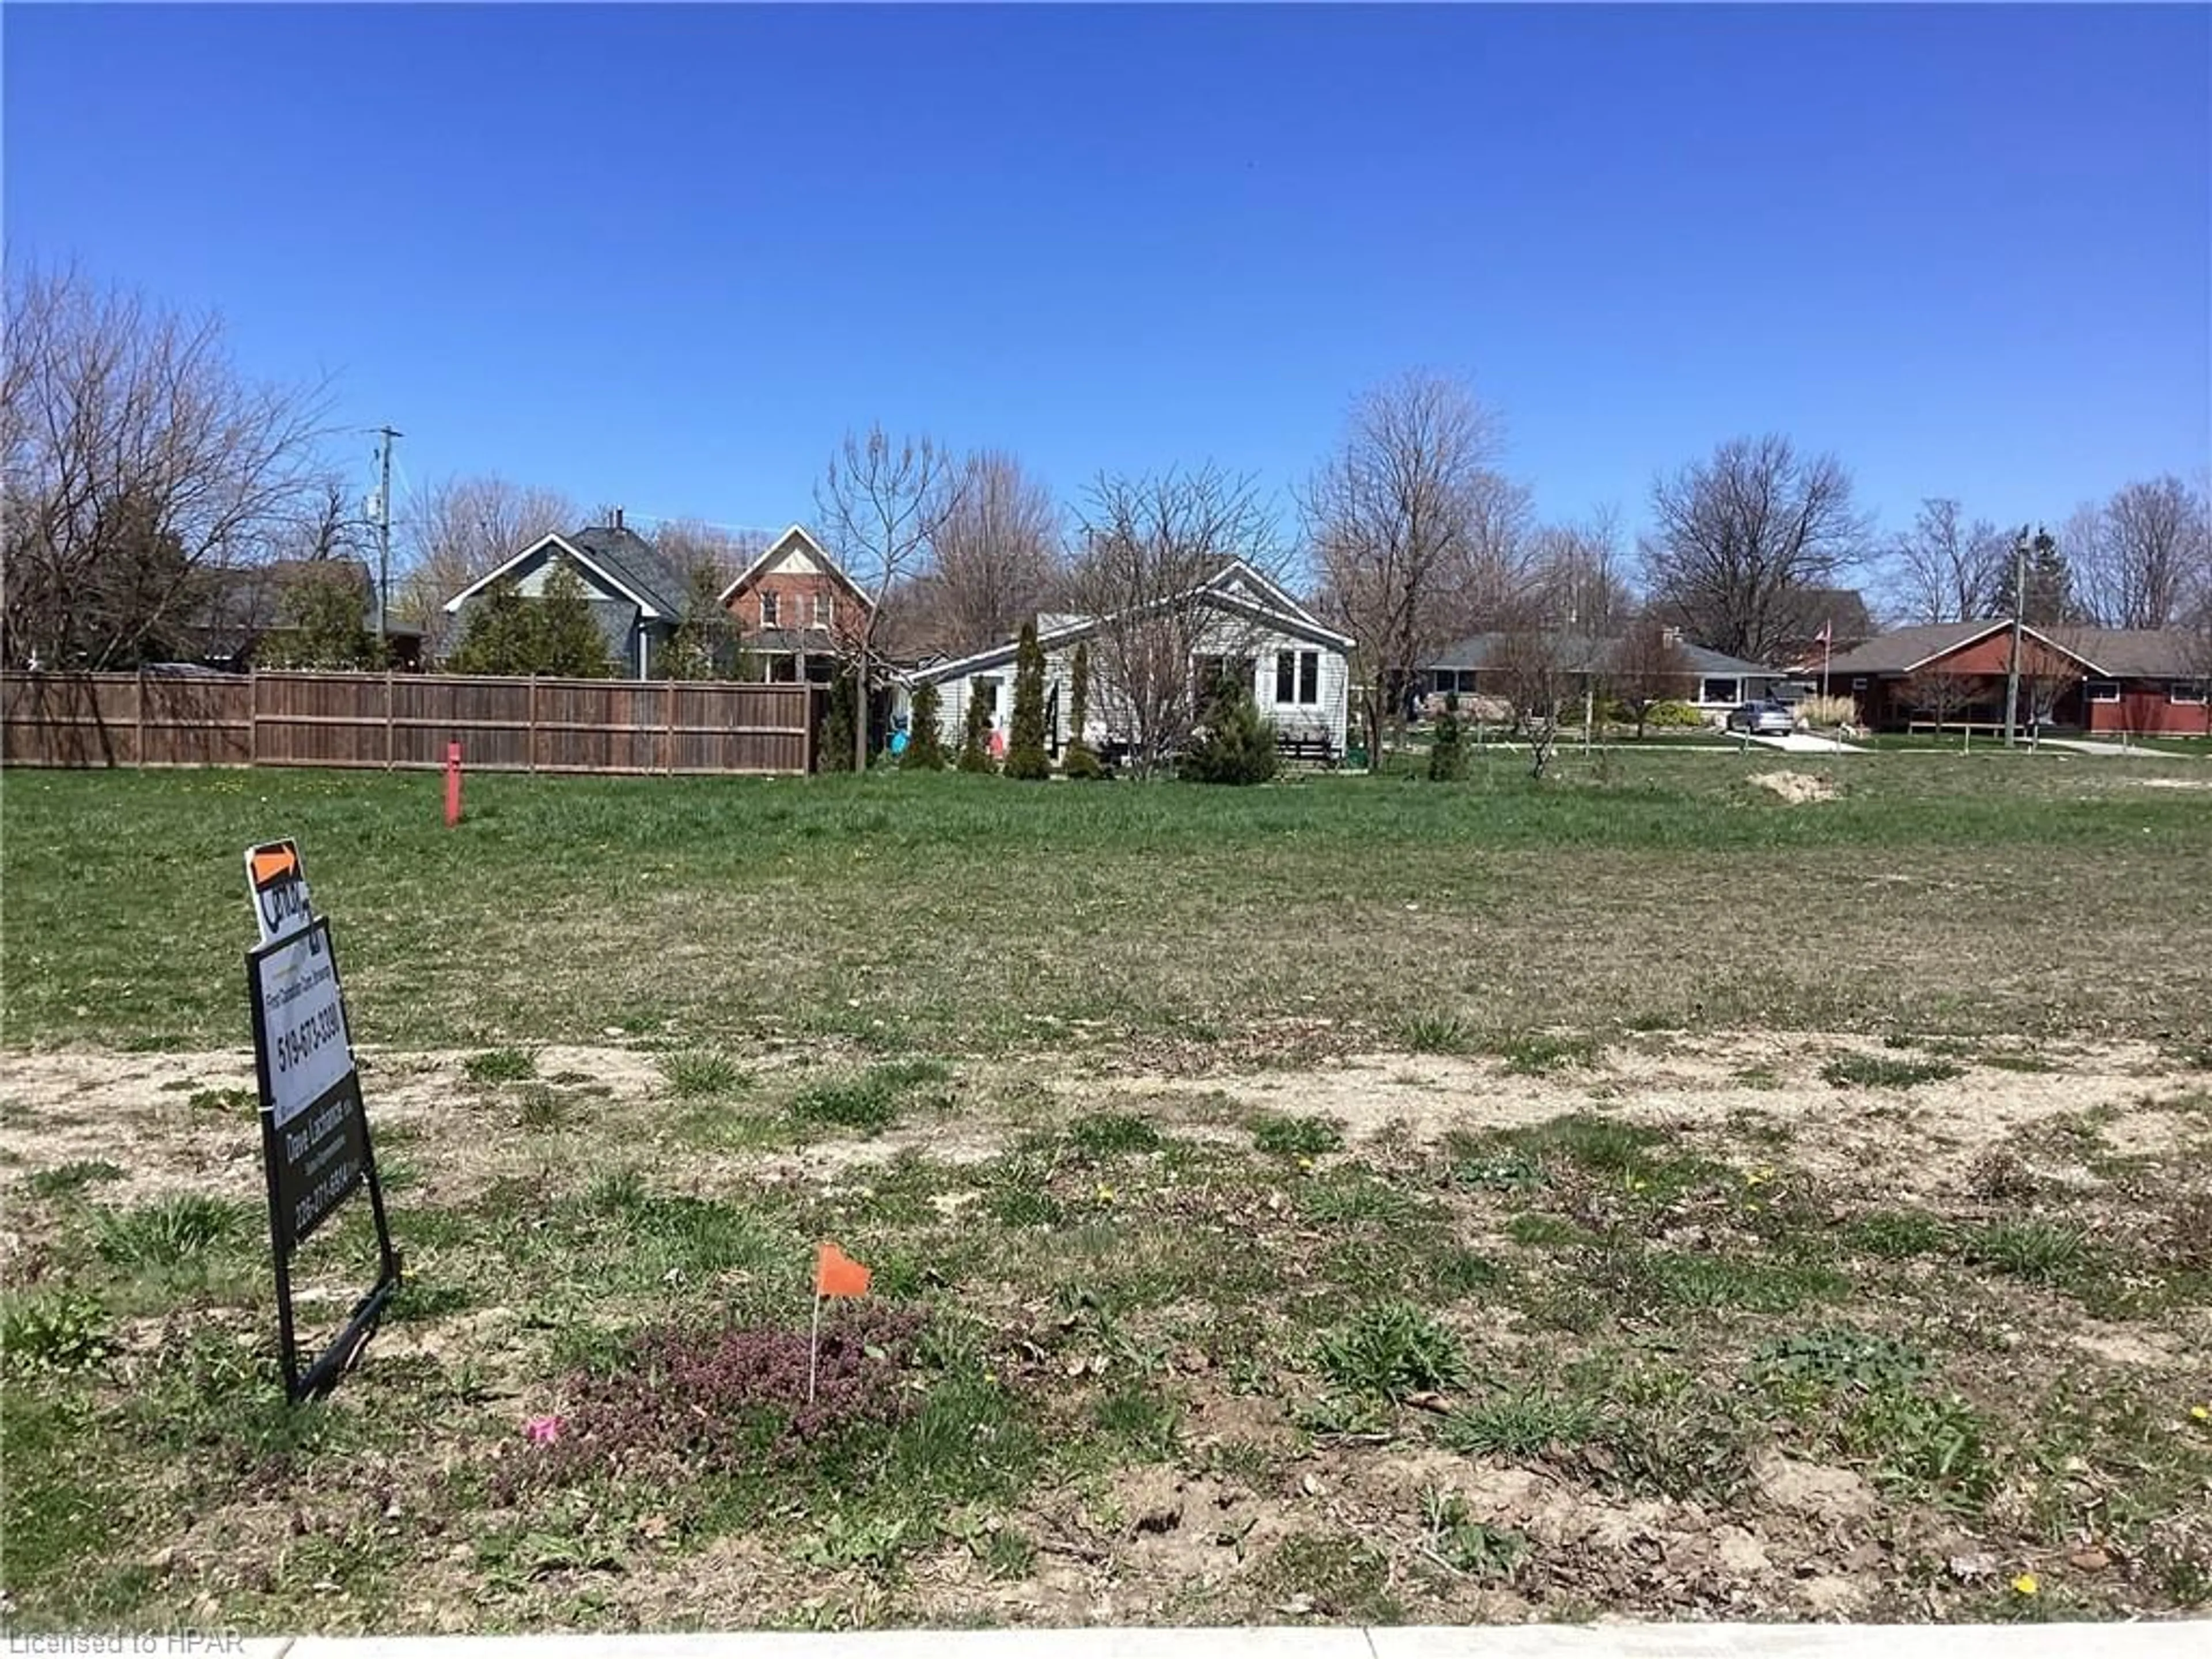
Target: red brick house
[[2102, 681], [796, 608]]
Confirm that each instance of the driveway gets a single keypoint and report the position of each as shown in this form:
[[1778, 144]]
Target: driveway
[[1804, 743]]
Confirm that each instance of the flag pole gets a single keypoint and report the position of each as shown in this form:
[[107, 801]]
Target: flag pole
[[1827, 653], [814, 1349]]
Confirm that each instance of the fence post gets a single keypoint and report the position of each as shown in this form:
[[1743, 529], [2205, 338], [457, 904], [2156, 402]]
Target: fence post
[[388, 739], [139, 738], [668, 736], [253, 718], [532, 736]]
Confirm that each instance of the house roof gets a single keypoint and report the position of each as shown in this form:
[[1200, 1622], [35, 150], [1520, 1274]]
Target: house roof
[[233, 606], [635, 563], [804, 539], [1586, 654], [2147, 653], [1278, 611], [2106, 652], [618, 555]]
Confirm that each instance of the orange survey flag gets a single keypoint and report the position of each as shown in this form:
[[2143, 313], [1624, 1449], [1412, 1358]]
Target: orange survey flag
[[836, 1273]]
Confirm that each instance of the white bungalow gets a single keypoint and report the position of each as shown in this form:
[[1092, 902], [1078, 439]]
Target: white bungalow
[[1238, 623]]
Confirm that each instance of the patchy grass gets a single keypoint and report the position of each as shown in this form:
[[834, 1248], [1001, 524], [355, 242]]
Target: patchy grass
[[1883, 1071], [1165, 1299], [1302, 1137], [692, 1073], [1592, 888], [870, 1101], [500, 1066]]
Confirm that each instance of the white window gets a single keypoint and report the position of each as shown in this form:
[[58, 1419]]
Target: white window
[[984, 688], [2185, 691], [1719, 690], [822, 610], [2102, 691], [769, 610]]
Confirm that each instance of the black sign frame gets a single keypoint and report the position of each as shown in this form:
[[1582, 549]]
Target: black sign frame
[[348, 1113]]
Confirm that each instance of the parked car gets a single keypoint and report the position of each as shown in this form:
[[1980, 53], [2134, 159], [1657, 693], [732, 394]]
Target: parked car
[[1762, 720]]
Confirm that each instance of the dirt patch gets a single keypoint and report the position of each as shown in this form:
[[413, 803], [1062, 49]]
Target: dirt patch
[[1795, 788]]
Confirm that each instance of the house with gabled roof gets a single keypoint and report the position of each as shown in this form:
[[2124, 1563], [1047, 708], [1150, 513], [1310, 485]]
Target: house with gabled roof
[[1239, 625], [798, 612], [2103, 680], [636, 596], [1712, 682]]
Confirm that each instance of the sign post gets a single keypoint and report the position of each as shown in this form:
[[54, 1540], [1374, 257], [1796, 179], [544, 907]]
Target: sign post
[[315, 1144]]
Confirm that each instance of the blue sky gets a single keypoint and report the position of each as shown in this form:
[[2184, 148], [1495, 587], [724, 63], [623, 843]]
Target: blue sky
[[665, 256]]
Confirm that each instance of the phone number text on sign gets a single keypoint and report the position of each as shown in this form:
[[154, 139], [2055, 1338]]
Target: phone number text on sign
[[304, 1019]]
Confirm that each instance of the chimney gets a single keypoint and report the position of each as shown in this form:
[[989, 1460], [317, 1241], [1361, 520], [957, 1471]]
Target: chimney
[[618, 523]]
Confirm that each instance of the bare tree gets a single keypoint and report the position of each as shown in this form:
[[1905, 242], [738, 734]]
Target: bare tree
[[881, 504], [138, 461], [1404, 520], [1938, 694], [2141, 552], [695, 547], [1535, 676], [1741, 534], [1646, 667], [1946, 569], [996, 558], [1576, 573], [460, 530], [1149, 544], [2047, 674]]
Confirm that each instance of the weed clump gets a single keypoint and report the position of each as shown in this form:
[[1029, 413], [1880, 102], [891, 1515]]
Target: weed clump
[[725, 1401], [1392, 1349]]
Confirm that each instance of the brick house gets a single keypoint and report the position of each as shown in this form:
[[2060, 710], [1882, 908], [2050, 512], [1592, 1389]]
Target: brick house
[[2101, 681], [796, 609]]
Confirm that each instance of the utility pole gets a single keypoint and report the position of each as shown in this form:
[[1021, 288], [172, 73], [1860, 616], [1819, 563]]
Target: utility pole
[[2019, 604], [384, 541]]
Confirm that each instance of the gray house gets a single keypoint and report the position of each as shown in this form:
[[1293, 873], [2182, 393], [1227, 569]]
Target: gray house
[[1714, 683], [636, 596]]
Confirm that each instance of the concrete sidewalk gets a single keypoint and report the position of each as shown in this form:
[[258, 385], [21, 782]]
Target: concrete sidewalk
[[1806, 742], [2171, 1640]]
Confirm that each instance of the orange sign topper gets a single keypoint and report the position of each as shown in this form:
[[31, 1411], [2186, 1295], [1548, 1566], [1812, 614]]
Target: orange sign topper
[[274, 864]]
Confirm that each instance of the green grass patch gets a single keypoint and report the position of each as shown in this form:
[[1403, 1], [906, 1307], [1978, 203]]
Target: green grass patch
[[1298, 1136], [1110, 1134], [1438, 1034], [1539, 1054], [1521, 1423], [1391, 1350], [2047, 1253], [695, 1071], [1886, 1072], [167, 1231], [500, 1066], [1897, 1234], [870, 1101], [63, 1179]]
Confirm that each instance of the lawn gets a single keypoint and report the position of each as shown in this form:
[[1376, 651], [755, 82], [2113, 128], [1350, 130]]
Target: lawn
[[957, 915], [1353, 1200]]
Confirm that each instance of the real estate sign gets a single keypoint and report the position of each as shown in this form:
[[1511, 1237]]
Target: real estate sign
[[314, 1128]]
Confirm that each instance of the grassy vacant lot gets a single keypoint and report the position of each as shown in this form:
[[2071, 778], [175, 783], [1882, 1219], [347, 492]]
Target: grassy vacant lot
[[1347, 1200], [962, 916]]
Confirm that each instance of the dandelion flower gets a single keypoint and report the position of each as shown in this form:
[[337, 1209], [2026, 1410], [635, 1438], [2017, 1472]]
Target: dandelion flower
[[1105, 1193], [2200, 1414], [2024, 1584]]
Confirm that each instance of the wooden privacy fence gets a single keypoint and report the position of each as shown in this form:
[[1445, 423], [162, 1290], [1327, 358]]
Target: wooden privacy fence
[[405, 721]]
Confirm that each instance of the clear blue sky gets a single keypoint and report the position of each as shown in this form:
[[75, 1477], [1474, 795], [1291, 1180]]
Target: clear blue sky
[[665, 256]]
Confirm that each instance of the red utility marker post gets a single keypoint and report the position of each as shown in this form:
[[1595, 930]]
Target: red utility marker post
[[452, 784]]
